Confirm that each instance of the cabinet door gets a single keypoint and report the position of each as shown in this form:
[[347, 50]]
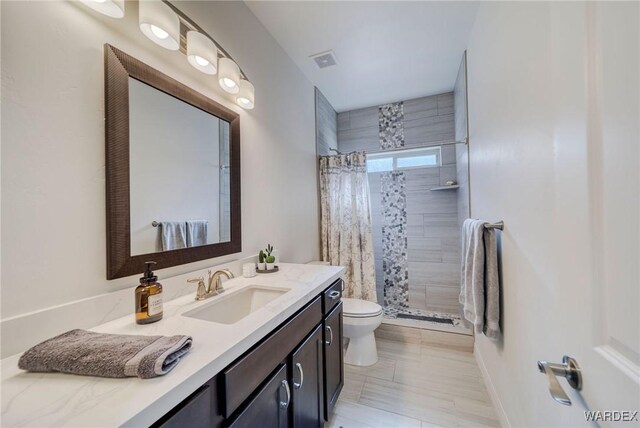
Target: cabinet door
[[194, 412], [307, 379], [333, 364], [269, 408]]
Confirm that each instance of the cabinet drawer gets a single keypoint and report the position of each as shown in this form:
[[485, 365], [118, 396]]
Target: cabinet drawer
[[331, 296], [241, 378]]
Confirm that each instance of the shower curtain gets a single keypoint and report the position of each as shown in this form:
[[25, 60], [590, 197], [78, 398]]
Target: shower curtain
[[346, 222]]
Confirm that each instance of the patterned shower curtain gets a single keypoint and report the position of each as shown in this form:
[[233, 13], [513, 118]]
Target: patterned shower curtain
[[346, 222]]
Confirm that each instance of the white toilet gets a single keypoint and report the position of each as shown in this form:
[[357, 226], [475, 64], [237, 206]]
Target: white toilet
[[360, 319]]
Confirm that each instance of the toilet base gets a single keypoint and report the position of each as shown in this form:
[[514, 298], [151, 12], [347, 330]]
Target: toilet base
[[361, 351]]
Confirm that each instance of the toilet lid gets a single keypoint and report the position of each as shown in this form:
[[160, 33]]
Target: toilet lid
[[360, 308]]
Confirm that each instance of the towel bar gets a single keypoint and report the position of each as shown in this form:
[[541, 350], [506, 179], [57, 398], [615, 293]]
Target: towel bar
[[155, 223], [498, 225]]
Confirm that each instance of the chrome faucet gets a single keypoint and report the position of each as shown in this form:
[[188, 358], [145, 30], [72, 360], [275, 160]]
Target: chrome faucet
[[215, 284]]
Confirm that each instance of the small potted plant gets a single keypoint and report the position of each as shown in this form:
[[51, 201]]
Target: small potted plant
[[261, 260], [269, 258]]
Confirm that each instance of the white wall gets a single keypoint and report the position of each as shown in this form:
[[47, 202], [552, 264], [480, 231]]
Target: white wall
[[175, 165], [53, 197], [530, 159]]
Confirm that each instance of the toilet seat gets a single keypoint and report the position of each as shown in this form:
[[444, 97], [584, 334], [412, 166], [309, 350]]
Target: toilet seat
[[357, 308]]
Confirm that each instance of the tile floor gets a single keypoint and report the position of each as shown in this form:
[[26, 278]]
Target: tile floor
[[423, 379]]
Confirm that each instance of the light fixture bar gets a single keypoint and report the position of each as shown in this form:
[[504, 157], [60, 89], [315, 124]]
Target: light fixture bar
[[187, 24]]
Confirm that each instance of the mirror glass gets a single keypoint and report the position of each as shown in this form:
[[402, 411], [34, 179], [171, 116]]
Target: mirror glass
[[179, 173]]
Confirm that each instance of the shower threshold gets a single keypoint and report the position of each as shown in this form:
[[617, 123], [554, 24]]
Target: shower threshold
[[419, 318]]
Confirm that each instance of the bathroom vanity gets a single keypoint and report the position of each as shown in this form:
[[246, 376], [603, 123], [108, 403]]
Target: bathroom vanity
[[278, 359], [290, 378]]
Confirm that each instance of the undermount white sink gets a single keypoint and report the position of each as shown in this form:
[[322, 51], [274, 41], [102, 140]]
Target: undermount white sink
[[231, 308]]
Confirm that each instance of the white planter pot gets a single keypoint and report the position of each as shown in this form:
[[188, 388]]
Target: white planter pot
[[270, 266], [262, 266]]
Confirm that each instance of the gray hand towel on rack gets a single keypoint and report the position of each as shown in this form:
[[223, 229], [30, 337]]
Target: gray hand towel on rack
[[479, 292], [89, 353], [196, 233], [492, 287], [173, 235]]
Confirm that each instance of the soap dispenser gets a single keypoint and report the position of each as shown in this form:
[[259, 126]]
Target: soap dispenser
[[148, 298]]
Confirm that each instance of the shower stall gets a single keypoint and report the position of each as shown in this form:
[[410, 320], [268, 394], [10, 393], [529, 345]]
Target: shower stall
[[419, 191], [419, 199]]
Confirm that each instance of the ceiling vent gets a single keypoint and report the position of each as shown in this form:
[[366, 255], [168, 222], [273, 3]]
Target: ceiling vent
[[324, 59]]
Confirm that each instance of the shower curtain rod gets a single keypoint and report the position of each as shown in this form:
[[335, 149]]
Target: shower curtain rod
[[399, 149]]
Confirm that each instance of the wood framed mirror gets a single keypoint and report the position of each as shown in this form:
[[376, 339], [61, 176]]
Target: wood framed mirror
[[172, 170]]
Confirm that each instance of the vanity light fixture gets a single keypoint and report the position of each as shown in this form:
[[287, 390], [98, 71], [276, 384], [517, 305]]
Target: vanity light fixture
[[229, 75], [112, 8], [164, 24], [202, 53], [159, 23], [246, 95]]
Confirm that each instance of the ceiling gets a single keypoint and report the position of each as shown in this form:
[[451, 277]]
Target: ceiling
[[386, 51]]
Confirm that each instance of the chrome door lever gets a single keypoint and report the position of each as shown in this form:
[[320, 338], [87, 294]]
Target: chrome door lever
[[569, 369]]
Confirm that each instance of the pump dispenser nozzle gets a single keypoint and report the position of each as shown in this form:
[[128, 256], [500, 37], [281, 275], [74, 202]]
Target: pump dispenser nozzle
[[148, 274]]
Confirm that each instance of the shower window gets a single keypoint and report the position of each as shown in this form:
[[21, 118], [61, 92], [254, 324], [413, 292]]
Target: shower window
[[428, 157]]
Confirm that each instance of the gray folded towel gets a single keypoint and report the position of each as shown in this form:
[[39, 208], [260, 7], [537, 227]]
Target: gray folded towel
[[88, 353], [196, 233]]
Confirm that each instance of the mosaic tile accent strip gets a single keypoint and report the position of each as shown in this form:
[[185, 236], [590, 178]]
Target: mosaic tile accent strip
[[391, 125], [427, 317], [395, 264]]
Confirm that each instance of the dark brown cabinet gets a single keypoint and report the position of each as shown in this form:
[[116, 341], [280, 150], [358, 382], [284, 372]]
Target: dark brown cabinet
[[245, 374], [291, 378], [333, 359], [307, 378]]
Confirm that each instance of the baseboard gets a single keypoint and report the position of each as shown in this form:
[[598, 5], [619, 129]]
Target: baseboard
[[495, 399]]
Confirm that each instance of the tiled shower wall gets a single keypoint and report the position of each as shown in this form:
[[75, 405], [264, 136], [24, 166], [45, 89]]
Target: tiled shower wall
[[326, 125], [432, 231]]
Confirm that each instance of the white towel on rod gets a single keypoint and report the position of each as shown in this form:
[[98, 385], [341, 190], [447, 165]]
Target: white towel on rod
[[173, 235], [479, 292], [196, 233]]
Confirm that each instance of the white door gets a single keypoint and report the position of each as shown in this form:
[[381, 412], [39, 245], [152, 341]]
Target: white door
[[597, 211]]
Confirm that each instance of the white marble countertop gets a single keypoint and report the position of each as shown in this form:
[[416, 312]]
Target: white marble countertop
[[55, 399]]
